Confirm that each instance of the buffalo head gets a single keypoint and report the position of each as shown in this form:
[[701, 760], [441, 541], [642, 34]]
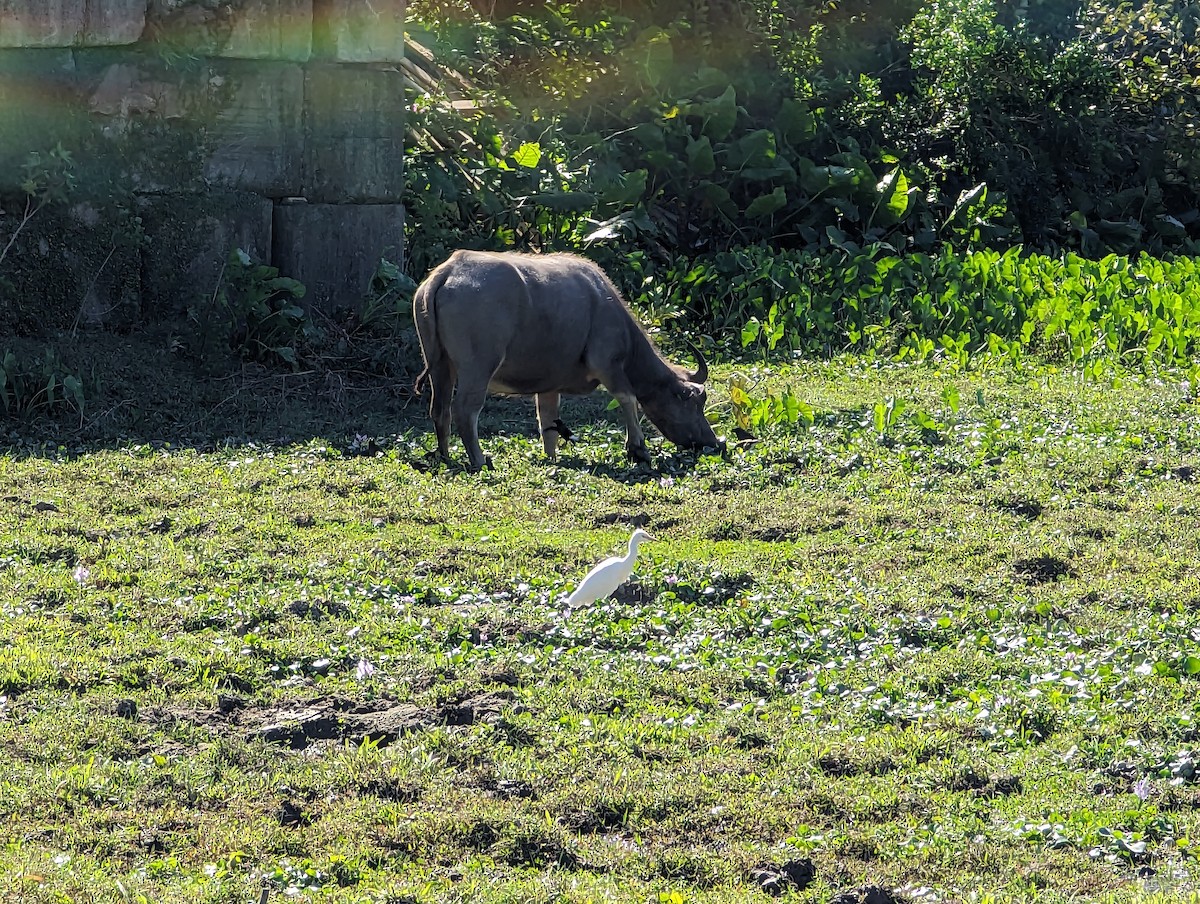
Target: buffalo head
[[676, 407]]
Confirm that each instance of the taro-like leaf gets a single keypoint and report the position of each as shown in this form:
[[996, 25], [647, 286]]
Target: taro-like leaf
[[968, 199], [1122, 231], [718, 196], [1169, 227], [765, 205], [819, 179], [528, 155], [893, 194], [756, 149], [628, 190], [700, 157], [796, 121], [719, 115]]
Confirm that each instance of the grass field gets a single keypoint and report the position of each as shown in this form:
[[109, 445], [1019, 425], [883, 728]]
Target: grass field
[[952, 659]]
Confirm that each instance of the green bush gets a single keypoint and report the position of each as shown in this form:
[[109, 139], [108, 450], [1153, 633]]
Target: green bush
[[254, 315], [1065, 308], [700, 126], [32, 385]]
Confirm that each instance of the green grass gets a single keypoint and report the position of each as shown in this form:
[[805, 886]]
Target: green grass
[[938, 661]]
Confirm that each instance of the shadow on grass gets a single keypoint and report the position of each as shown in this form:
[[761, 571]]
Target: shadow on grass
[[140, 390]]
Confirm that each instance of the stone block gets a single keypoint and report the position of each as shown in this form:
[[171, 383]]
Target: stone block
[[69, 23], [189, 238], [70, 268], [354, 135], [112, 22], [39, 107], [270, 30], [335, 249], [258, 134], [355, 31]]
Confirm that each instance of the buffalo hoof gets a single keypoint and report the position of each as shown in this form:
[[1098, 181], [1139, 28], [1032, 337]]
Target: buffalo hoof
[[639, 454], [486, 466]]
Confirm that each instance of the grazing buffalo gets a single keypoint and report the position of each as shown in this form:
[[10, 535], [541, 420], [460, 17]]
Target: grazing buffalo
[[541, 325]]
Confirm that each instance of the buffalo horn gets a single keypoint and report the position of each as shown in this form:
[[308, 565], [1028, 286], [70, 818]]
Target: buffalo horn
[[701, 373]]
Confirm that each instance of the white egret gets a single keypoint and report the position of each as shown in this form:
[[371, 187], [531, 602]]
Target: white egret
[[610, 574]]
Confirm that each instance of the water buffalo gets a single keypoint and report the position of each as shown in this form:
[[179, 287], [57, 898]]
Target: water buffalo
[[541, 325]]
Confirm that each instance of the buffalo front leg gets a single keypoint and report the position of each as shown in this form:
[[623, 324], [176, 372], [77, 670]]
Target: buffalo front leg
[[635, 441], [547, 414], [467, 405]]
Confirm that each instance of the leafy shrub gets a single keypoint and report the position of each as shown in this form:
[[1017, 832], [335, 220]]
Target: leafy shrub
[[255, 314], [1066, 308], [32, 385], [701, 126]]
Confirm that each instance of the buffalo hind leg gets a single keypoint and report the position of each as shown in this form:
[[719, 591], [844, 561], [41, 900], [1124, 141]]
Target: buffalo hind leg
[[547, 414], [441, 391], [468, 402]]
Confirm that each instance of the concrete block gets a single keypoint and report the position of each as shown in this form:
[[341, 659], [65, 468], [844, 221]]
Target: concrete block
[[270, 30], [39, 106], [71, 268], [258, 134], [357, 31], [68, 23], [113, 22], [189, 240], [354, 134], [335, 249], [125, 90]]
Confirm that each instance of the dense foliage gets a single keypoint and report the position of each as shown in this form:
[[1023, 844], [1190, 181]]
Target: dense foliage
[[647, 132]]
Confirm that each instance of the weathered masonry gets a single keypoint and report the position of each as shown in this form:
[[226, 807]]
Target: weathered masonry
[[195, 127]]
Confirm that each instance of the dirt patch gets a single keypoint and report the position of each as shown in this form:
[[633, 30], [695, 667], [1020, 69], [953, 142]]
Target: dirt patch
[[301, 725], [639, 520], [986, 785], [1029, 509], [867, 894], [775, 879], [1041, 569]]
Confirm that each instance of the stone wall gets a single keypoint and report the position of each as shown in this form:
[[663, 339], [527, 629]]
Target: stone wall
[[195, 127]]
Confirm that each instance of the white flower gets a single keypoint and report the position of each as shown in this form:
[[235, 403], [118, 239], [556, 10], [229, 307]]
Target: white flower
[[365, 670], [81, 575], [1143, 788]]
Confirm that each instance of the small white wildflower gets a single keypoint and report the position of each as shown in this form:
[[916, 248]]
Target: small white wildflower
[[1143, 788], [81, 575], [365, 670]]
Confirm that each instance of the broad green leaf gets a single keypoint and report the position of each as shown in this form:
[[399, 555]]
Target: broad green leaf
[[75, 389], [893, 202], [765, 205], [750, 331], [796, 121], [528, 154], [719, 115], [756, 149], [700, 156], [718, 196], [967, 199], [628, 190], [950, 396]]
